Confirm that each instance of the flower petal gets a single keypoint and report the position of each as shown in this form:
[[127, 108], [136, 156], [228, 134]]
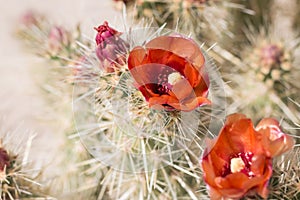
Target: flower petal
[[214, 194], [268, 123], [168, 59], [276, 141], [147, 74], [136, 57], [159, 102], [281, 145], [194, 103], [232, 186], [209, 174], [262, 167], [192, 74], [181, 90], [180, 46], [237, 135], [147, 91]]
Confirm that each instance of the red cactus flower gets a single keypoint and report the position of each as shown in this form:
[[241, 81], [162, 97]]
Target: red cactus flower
[[110, 47], [239, 161], [170, 73]]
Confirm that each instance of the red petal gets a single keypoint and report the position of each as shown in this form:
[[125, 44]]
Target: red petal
[[180, 46], [192, 74], [136, 57], [194, 103], [147, 91], [214, 194], [276, 141], [201, 89], [181, 90], [262, 167], [147, 73], [267, 122], [209, 172], [166, 58], [281, 145], [262, 189], [160, 100], [236, 136], [244, 138], [233, 118]]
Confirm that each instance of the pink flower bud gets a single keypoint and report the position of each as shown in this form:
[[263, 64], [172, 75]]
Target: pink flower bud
[[271, 54], [4, 159], [57, 39], [110, 48], [29, 18]]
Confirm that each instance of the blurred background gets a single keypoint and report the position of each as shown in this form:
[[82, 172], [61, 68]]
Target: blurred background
[[21, 100]]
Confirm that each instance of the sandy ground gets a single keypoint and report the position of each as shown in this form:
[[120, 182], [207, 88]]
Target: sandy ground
[[21, 98]]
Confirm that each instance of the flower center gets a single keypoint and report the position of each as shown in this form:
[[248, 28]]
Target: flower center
[[236, 165], [174, 77], [240, 163], [166, 79]]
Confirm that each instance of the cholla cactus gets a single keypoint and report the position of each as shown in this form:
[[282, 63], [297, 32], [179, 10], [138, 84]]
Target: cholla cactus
[[156, 149], [263, 80], [56, 44], [60, 46], [53, 42], [17, 179], [182, 180], [145, 153], [271, 62], [79, 174], [285, 183], [297, 17]]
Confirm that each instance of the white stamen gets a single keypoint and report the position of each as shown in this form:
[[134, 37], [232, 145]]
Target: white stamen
[[173, 78], [236, 165]]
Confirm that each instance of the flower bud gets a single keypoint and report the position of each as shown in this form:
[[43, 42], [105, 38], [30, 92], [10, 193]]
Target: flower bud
[[29, 19], [271, 55], [57, 39], [110, 48], [4, 159]]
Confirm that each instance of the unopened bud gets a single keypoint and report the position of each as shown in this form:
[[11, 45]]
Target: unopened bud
[[270, 55], [57, 39], [4, 159], [29, 18], [111, 48]]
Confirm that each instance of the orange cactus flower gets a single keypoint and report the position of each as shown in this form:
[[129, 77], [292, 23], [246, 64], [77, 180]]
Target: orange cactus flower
[[170, 73], [239, 160]]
